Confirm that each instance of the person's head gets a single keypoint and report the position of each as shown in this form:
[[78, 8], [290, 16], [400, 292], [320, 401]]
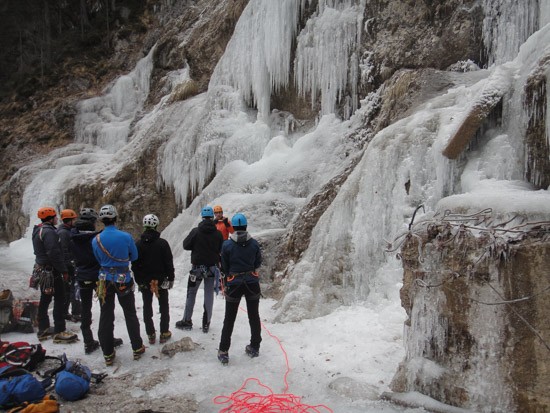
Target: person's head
[[218, 212], [84, 225], [239, 222], [207, 212], [68, 216], [47, 214], [108, 214], [150, 221], [88, 214]]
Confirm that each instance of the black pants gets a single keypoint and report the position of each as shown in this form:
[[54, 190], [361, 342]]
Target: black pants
[[233, 296], [70, 298], [127, 301], [164, 310], [58, 306], [87, 289]]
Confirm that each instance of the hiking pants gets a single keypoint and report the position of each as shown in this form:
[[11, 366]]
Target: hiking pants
[[233, 296], [86, 295], [58, 306], [127, 301], [164, 310], [192, 288], [70, 297]]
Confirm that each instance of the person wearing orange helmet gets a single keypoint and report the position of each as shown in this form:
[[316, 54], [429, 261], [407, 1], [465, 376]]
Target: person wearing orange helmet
[[222, 223], [51, 264], [68, 216]]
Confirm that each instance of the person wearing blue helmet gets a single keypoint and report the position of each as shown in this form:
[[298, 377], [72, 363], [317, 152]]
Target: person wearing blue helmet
[[205, 243], [241, 257]]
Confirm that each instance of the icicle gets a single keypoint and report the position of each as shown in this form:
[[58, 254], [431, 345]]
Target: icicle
[[507, 24], [105, 120], [330, 36], [257, 58]]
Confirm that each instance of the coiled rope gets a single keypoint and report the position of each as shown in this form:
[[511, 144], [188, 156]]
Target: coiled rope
[[245, 401]]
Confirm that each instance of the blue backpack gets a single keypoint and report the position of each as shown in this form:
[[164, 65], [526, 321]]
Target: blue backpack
[[73, 382], [18, 386]]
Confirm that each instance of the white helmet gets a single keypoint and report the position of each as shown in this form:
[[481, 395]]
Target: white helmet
[[151, 221], [107, 211]]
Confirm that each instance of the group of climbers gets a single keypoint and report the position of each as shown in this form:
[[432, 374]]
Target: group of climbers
[[82, 260]]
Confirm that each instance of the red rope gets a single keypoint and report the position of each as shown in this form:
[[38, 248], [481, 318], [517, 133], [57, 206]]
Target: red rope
[[243, 401]]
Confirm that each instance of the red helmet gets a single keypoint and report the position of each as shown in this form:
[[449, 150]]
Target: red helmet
[[46, 212], [68, 214], [218, 208]]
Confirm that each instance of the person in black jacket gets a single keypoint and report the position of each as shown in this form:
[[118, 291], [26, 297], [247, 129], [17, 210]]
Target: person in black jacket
[[205, 243], [68, 216], [154, 274], [50, 262], [86, 273]]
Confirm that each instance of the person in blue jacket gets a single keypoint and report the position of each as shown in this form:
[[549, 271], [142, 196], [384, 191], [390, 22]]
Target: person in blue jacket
[[114, 250], [86, 273], [241, 257]]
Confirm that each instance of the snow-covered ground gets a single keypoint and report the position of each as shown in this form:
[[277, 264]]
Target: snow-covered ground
[[343, 361]]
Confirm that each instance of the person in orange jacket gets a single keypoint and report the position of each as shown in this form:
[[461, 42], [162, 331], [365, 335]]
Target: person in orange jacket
[[222, 223]]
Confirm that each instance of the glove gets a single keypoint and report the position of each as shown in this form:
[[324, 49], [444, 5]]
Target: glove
[[66, 276], [226, 222], [167, 285]]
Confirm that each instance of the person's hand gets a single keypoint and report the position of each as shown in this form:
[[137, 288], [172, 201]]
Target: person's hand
[[66, 276]]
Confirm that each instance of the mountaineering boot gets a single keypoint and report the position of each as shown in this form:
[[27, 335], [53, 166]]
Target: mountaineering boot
[[223, 357], [110, 359], [184, 324], [45, 334], [164, 337], [91, 346], [139, 352], [251, 351], [205, 328], [65, 337], [152, 338], [117, 342]]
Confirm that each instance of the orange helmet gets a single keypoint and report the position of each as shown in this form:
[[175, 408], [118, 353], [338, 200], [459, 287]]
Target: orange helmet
[[218, 208], [46, 212], [68, 214]]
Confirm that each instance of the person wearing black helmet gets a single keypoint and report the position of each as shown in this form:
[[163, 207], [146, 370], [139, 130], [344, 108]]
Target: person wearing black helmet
[[241, 256], [86, 273], [205, 244]]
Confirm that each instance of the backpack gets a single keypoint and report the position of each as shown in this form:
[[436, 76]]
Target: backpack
[[73, 382], [22, 354], [18, 386], [7, 322]]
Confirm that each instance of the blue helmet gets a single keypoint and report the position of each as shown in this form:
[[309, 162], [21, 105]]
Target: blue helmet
[[207, 212], [239, 220]]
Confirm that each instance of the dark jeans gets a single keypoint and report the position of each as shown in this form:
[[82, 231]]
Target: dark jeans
[[127, 301], [233, 296], [87, 289], [70, 299], [58, 306], [164, 309]]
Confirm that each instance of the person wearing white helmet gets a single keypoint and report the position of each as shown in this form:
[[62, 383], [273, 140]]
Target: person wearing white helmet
[[114, 250], [154, 274]]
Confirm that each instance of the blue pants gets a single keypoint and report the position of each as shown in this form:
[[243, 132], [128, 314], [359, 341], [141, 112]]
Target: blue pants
[[192, 288]]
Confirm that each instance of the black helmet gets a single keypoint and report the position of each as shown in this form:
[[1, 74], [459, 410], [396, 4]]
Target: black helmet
[[88, 214]]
